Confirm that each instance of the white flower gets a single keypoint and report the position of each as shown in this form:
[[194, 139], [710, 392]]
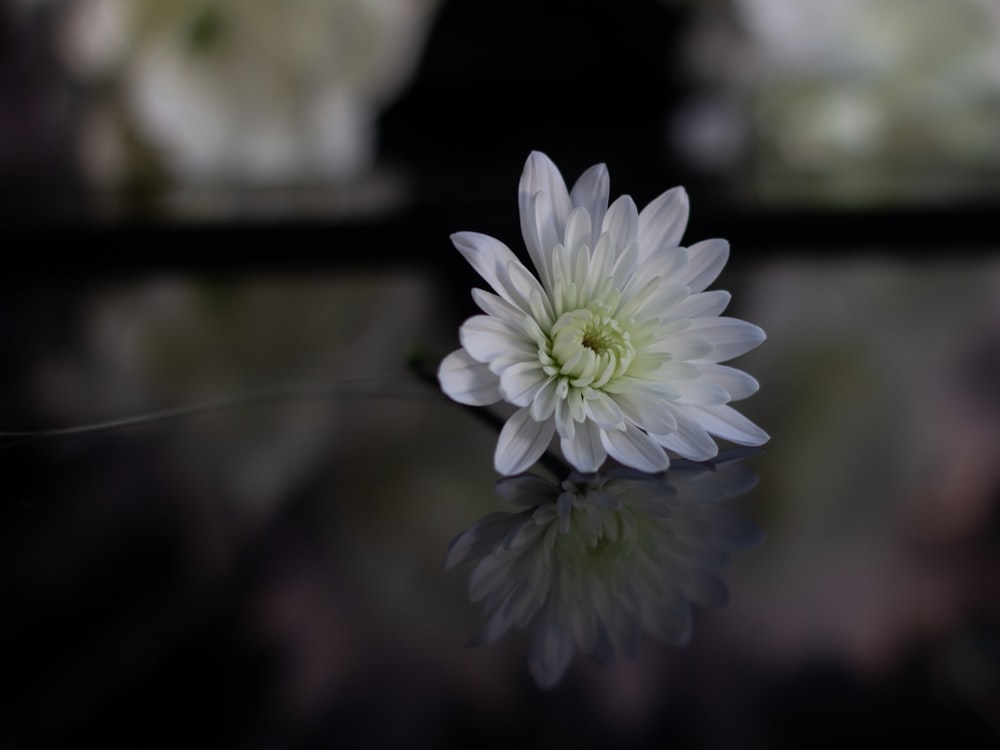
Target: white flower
[[598, 560], [615, 345]]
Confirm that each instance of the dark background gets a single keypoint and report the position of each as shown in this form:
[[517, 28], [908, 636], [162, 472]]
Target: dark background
[[128, 623]]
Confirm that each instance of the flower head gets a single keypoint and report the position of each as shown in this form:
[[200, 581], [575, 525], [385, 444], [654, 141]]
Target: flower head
[[615, 345]]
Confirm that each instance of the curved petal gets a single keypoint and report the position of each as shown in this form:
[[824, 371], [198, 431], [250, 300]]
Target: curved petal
[[689, 440], [661, 268], [668, 264], [544, 204], [521, 382], [736, 382], [602, 409], [729, 337], [565, 424], [621, 223], [524, 290], [661, 302], [578, 231], [682, 347], [635, 448], [699, 391], [702, 305], [539, 237], [522, 442], [584, 450], [544, 403], [730, 425], [662, 222], [487, 339], [468, 381], [591, 192], [706, 259], [490, 257], [646, 408], [497, 306]]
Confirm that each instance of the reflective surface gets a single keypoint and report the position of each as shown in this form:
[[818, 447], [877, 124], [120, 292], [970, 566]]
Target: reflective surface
[[273, 573]]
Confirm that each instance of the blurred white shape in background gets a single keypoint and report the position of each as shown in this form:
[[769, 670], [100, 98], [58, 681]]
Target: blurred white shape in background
[[850, 101], [239, 92]]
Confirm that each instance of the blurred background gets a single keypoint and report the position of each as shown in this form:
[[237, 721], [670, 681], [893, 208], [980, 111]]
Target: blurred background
[[210, 197]]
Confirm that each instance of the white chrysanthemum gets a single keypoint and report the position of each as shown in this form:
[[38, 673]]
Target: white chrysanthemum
[[599, 560], [615, 345]]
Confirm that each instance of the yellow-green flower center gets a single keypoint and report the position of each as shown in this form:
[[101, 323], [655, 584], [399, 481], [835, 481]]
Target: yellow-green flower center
[[587, 347]]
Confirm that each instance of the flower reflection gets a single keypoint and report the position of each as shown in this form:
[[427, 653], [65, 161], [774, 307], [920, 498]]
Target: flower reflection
[[599, 559]]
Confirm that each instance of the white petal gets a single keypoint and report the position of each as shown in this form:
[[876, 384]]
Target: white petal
[[487, 339], [689, 440], [525, 291], [522, 442], [636, 293], [467, 381], [552, 205], [625, 265], [729, 337], [700, 391], [530, 326], [599, 270], [565, 425], [603, 410], [729, 424], [647, 409], [706, 260], [584, 450], [621, 222], [562, 269], [668, 264], [661, 302], [736, 382], [520, 382], [683, 347], [545, 401], [591, 191], [635, 448], [489, 257], [578, 230], [539, 236], [498, 307], [667, 373], [661, 269], [702, 305], [662, 223]]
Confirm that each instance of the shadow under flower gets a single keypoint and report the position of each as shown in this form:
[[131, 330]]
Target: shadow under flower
[[599, 559]]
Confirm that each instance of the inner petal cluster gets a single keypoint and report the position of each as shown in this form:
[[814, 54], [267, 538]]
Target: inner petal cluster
[[587, 347]]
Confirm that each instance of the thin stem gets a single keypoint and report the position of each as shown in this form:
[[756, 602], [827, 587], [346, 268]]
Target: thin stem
[[274, 394]]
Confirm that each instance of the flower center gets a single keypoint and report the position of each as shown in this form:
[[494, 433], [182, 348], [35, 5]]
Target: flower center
[[588, 347]]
